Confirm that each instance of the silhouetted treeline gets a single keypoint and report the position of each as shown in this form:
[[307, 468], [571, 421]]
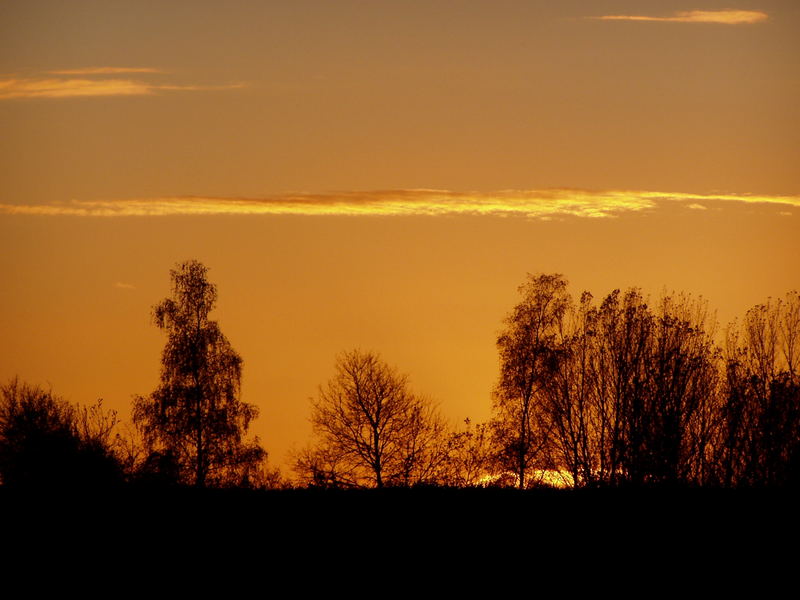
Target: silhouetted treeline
[[614, 393], [624, 393]]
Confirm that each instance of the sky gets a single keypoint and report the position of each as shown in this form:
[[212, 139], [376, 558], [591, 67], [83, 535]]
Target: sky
[[379, 175]]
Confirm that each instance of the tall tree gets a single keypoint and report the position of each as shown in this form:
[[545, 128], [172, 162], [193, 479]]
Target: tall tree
[[528, 348], [195, 419]]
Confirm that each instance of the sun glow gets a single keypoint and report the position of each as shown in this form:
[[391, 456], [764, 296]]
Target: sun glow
[[554, 478]]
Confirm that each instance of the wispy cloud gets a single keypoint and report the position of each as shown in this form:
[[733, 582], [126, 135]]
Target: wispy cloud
[[85, 86], [124, 286], [722, 17], [540, 204], [105, 71]]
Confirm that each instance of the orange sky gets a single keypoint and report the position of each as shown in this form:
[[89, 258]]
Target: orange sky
[[379, 174]]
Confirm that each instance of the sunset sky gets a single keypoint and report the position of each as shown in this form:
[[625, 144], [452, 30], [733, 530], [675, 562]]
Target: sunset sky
[[379, 175]]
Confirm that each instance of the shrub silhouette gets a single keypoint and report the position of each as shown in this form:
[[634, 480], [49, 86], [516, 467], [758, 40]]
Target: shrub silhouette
[[43, 444]]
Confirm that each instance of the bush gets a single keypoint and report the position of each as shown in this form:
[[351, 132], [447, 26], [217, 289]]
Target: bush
[[46, 442]]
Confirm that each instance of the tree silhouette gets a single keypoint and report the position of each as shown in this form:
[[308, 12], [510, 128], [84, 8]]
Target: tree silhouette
[[194, 422], [528, 355], [372, 430], [470, 455], [631, 394], [659, 381], [760, 414], [617, 394]]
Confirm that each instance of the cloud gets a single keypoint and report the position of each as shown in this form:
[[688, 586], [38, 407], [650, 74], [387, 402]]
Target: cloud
[[539, 204], [72, 87], [697, 207], [105, 71], [67, 88], [124, 286], [722, 17]]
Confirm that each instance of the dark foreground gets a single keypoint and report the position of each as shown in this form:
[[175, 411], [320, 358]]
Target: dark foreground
[[324, 514], [440, 540]]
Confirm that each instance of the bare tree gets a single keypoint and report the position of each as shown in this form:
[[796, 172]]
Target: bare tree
[[322, 466], [624, 393], [682, 374], [370, 428], [425, 446], [470, 456], [760, 414], [569, 400]]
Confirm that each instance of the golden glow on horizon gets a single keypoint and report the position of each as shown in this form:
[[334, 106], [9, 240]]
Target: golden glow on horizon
[[722, 17], [556, 478], [541, 204]]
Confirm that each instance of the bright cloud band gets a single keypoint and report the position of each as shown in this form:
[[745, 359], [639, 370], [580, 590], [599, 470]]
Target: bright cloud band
[[722, 17], [541, 204]]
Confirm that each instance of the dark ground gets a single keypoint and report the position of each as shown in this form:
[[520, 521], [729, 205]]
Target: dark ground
[[439, 540]]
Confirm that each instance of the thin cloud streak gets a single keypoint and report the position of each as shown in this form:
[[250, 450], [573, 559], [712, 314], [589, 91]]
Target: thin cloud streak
[[105, 71], [71, 88], [82, 85], [721, 17], [538, 204]]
